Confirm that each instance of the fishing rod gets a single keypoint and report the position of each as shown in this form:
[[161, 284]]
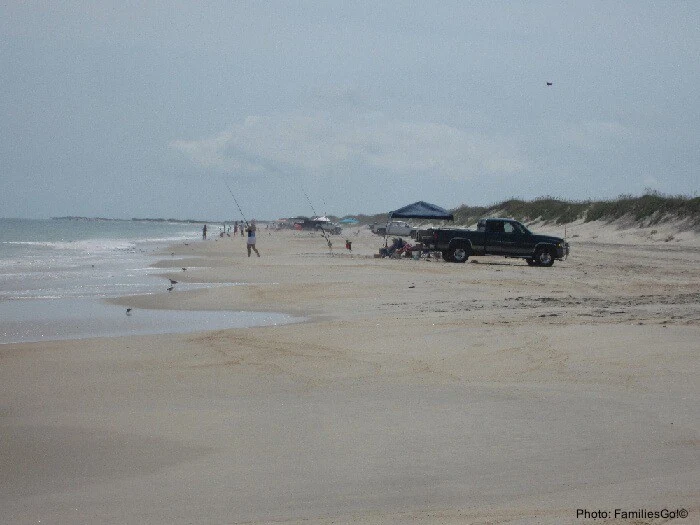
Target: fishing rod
[[308, 200], [236, 201], [274, 170], [323, 232]]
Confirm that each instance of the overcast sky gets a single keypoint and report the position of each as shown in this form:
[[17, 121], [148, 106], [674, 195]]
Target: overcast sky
[[148, 109]]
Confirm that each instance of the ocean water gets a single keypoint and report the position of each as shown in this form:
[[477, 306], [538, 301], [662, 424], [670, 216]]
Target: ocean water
[[55, 275], [54, 259]]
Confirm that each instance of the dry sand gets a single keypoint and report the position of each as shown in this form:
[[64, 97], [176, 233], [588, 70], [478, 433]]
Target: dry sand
[[417, 391]]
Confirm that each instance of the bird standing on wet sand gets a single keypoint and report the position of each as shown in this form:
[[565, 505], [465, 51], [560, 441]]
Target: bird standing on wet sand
[[128, 311], [172, 281], [171, 288]]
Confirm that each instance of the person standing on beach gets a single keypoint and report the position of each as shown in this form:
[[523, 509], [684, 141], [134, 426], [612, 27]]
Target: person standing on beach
[[204, 232], [250, 242]]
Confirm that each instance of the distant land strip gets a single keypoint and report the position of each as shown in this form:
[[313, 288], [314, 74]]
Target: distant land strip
[[134, 219]]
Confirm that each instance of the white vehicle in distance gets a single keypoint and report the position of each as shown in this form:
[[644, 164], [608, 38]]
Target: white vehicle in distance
[[325, 224], [400, 228]]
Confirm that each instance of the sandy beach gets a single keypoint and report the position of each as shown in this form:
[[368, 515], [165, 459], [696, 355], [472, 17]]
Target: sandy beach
[[415, 391]]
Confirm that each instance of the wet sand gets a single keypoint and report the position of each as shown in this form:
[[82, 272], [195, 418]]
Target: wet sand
[[418, 391]]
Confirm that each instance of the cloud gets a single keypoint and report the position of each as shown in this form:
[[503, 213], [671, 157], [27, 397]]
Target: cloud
[[597, 134], [324, 143]]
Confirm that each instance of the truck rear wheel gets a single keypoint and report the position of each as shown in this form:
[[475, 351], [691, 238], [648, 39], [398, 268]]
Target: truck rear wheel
[[544, 257], [459, 255]]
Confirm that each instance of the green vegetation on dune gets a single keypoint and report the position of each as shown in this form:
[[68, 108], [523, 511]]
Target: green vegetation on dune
[[648, 209], [651, 208], [546, 209]]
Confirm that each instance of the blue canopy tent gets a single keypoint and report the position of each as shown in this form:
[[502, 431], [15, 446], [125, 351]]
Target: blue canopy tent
[[419, 210], [349, 220], [422, 210]]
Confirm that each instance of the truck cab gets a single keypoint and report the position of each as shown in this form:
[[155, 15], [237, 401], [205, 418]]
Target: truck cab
[[507, 237]]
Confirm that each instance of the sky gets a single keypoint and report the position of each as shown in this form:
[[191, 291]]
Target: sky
[[179, 109]]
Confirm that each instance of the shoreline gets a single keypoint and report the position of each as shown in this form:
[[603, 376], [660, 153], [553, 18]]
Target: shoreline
[[63, 304], [414, 391], [76, 319]]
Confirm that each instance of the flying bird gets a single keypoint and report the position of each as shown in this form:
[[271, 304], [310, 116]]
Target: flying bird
[[549, 83], [184, 269]]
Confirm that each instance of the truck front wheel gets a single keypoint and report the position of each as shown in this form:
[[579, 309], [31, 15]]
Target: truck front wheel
[[544, 257], [459, 255]]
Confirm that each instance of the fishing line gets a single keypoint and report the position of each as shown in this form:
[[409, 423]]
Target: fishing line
[[274, 170], [236, 201], [323, 232], [308, 200]]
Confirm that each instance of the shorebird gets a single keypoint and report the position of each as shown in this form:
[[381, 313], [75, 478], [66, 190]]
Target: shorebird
[[184, 269], [128, 311], [171, 288], [172, 281]]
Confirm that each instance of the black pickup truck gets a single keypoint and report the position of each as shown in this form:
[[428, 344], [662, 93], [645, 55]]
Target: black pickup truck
[[505, 237]]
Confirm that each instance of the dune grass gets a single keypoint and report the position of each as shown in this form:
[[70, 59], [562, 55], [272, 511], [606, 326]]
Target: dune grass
[[651, 208], [648, 209]]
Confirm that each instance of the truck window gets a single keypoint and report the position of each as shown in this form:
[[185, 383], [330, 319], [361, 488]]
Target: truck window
[[494, 226], [508, 227], [519, 228]]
